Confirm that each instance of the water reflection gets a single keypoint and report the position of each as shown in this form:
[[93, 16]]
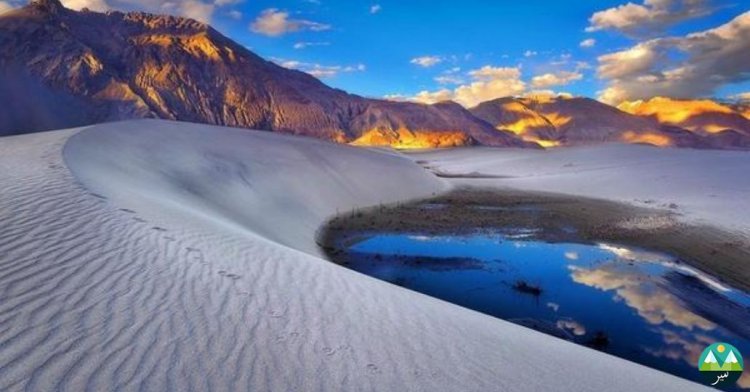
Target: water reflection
[[655, 304], [643, 306]]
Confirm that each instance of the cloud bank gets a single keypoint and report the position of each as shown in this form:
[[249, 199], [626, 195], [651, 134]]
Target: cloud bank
[[684, 67]]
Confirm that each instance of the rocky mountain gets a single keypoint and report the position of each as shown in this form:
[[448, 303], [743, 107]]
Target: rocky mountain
[[722, 125], [514, 115], [702, 116], [566, 121], [60, 68]]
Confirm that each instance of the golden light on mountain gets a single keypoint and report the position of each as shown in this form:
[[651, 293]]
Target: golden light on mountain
[[675, 112], [558, 119], [543, 142], [524, 125], [647, 138], [403, 138]]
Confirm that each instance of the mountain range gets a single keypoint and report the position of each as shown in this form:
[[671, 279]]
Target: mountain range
[[62, 68]]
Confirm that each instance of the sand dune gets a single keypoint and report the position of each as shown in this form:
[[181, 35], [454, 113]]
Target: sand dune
[[180, 257], [704, 186]]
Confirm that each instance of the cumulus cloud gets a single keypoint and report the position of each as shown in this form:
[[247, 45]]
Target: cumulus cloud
[[273, 23], [426, 61], [5, 7], [375, 8], [741, 96], [588, 43], [94, 5], [688, 66], [529, 53], [487, 83], [649, 17], [320, 71], [197, 10], [555, 79], [430, 97]]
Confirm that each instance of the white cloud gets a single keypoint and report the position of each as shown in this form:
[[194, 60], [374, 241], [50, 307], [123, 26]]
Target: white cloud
[[273, 23], [487, 83], [201, 10], [234, 14], [426, 61], [741, 96], [94, 5], [529, 53], [588, 43], [555, 79], [221, 3], [303, 45], [649, 17], [5, 7], [375, 8], [320, 71], [395, 97], [449, 79], [640, 58], [197, 10], [433, 97], [688, 66]]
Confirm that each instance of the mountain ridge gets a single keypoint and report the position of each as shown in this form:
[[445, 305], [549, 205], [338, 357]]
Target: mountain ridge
[[65, 68], [91, 67]]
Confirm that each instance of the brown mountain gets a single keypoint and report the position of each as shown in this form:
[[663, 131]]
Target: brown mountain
[[721, 125], [60, 68], [566, 121], [515, 116], [702, 116]]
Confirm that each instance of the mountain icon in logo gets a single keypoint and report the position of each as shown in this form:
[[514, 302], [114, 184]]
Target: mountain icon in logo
[[720, 364]]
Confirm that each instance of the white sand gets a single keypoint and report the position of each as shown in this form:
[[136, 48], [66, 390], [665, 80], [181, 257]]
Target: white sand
[[210, 279], [707, 186]]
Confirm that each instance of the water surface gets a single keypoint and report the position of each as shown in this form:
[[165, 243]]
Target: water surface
[[643, 306]]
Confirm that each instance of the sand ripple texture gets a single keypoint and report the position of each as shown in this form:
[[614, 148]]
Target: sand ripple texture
[[178, 257]]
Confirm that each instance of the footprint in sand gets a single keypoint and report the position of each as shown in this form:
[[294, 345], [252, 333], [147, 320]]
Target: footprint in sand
[[290, 337], [373, 369], [229, 275], [195, 255]]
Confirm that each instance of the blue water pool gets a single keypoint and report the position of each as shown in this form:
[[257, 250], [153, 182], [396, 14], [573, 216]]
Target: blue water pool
[[643, 306]]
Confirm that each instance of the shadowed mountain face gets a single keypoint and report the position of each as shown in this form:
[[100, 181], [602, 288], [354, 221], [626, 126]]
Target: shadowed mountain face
[[61, 68]]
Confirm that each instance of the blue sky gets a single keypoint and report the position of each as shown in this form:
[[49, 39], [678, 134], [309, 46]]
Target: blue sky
[[374, 47], [473, 50]]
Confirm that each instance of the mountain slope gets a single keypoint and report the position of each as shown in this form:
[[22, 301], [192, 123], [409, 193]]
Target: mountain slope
[[576, 121], [513, 115], [722, 126], [73, 68], [702, 116]]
